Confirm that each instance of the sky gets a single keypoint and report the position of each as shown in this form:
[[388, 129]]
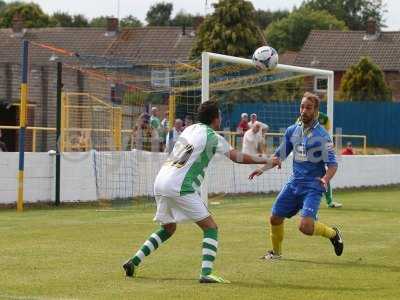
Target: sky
[[138, 8]]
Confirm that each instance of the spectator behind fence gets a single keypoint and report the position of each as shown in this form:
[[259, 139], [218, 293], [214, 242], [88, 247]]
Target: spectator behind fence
[[164, 130], [173, 135], [253, 142], [253, 120], [243, 125], [348, 150], [144, 136], [188, 120], [154, 120], [3, 147]]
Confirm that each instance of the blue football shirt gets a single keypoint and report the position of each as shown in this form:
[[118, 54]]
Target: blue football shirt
[[312, 149]]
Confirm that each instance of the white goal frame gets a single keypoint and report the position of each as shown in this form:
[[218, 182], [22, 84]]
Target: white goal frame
[[205, 85]]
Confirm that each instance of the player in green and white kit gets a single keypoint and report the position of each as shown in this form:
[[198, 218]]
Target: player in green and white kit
[[177, 189], [323, 119]]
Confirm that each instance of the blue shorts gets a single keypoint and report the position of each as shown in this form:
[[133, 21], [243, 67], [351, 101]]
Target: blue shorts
[[295, 197]]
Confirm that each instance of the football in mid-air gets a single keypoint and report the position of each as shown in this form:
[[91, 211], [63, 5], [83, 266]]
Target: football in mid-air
[[265, 57]]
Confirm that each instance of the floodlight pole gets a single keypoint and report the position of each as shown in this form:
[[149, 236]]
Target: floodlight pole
[[23, 113]]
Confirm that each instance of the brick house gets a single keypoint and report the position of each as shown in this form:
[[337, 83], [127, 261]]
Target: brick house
[[136, 46], [338, 50]]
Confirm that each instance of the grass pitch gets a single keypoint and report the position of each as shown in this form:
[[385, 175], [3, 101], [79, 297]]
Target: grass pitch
[[72, 253]]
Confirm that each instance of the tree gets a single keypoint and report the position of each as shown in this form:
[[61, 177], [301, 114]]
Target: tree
[[80, 21], [61, 19], [31, 13], [290, 33], [130, 21], [354, 13], [364, 81], [2, 5], [99, 22], [230, 29], [266, 17], [159, 14], [186, 19]]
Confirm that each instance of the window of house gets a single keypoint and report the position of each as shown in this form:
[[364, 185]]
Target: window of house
[[320, 84]]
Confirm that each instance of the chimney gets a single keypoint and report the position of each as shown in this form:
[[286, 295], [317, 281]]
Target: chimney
[[112, 27], [18, 25], [372, 27], [372, 32], [183, 29]]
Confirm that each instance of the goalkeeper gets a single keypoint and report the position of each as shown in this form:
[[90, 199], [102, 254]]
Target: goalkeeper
[[177, 187], [314, 165]]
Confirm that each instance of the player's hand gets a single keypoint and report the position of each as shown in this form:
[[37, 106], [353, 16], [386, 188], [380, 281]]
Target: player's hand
[[255, 173], [276, 162], [324, 183]]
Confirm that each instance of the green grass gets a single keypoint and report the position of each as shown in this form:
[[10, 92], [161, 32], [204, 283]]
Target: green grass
[[77, 253]]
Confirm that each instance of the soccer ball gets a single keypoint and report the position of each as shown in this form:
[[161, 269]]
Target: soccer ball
[[265, 57]]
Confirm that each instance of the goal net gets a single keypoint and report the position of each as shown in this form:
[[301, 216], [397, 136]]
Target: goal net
[[268, 96], [107, 121]]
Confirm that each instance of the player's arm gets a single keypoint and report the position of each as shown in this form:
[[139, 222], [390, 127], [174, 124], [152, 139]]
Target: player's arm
[[283, 151], [243, 158], [330, 162], [239, 157]]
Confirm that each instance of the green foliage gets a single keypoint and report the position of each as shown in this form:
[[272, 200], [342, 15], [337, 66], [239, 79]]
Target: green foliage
[[2, 5], [31, 13], [354, 13], [291, 32], [186, 19], [231, 29], [80, 21], [364, 81], [266, 17], [130, 21], [99, 22], [159, 14], [63, 19]]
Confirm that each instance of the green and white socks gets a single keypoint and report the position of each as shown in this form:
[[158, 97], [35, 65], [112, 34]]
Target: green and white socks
[[210, 246], [152, 243], [209, 251]]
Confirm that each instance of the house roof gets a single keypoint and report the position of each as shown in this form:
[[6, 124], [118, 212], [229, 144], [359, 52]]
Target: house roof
[[288, 57], [138, 45], [338, 50]]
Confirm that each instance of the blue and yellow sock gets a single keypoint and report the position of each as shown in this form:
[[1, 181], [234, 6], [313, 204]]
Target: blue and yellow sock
[[277, 232]]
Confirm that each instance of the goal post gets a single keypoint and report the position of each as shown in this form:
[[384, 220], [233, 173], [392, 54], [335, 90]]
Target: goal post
[[205, 69], [237, 79]]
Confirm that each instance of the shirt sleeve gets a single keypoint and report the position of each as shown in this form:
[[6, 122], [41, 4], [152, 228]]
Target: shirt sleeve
[[330, 157], [223, 147], [286, 146]]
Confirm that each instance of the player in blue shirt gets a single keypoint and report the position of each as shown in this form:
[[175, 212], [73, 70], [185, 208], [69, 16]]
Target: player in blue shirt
[[314, 165]]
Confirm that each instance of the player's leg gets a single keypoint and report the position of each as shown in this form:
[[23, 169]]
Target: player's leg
[[309, 225], [192, 208], [168, 227], [329, 198], [209, 251], [285, 206]]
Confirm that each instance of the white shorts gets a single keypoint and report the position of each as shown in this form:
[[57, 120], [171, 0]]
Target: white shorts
[[187, 208]]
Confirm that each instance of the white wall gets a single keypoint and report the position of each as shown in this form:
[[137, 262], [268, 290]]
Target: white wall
[[128, 174]]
